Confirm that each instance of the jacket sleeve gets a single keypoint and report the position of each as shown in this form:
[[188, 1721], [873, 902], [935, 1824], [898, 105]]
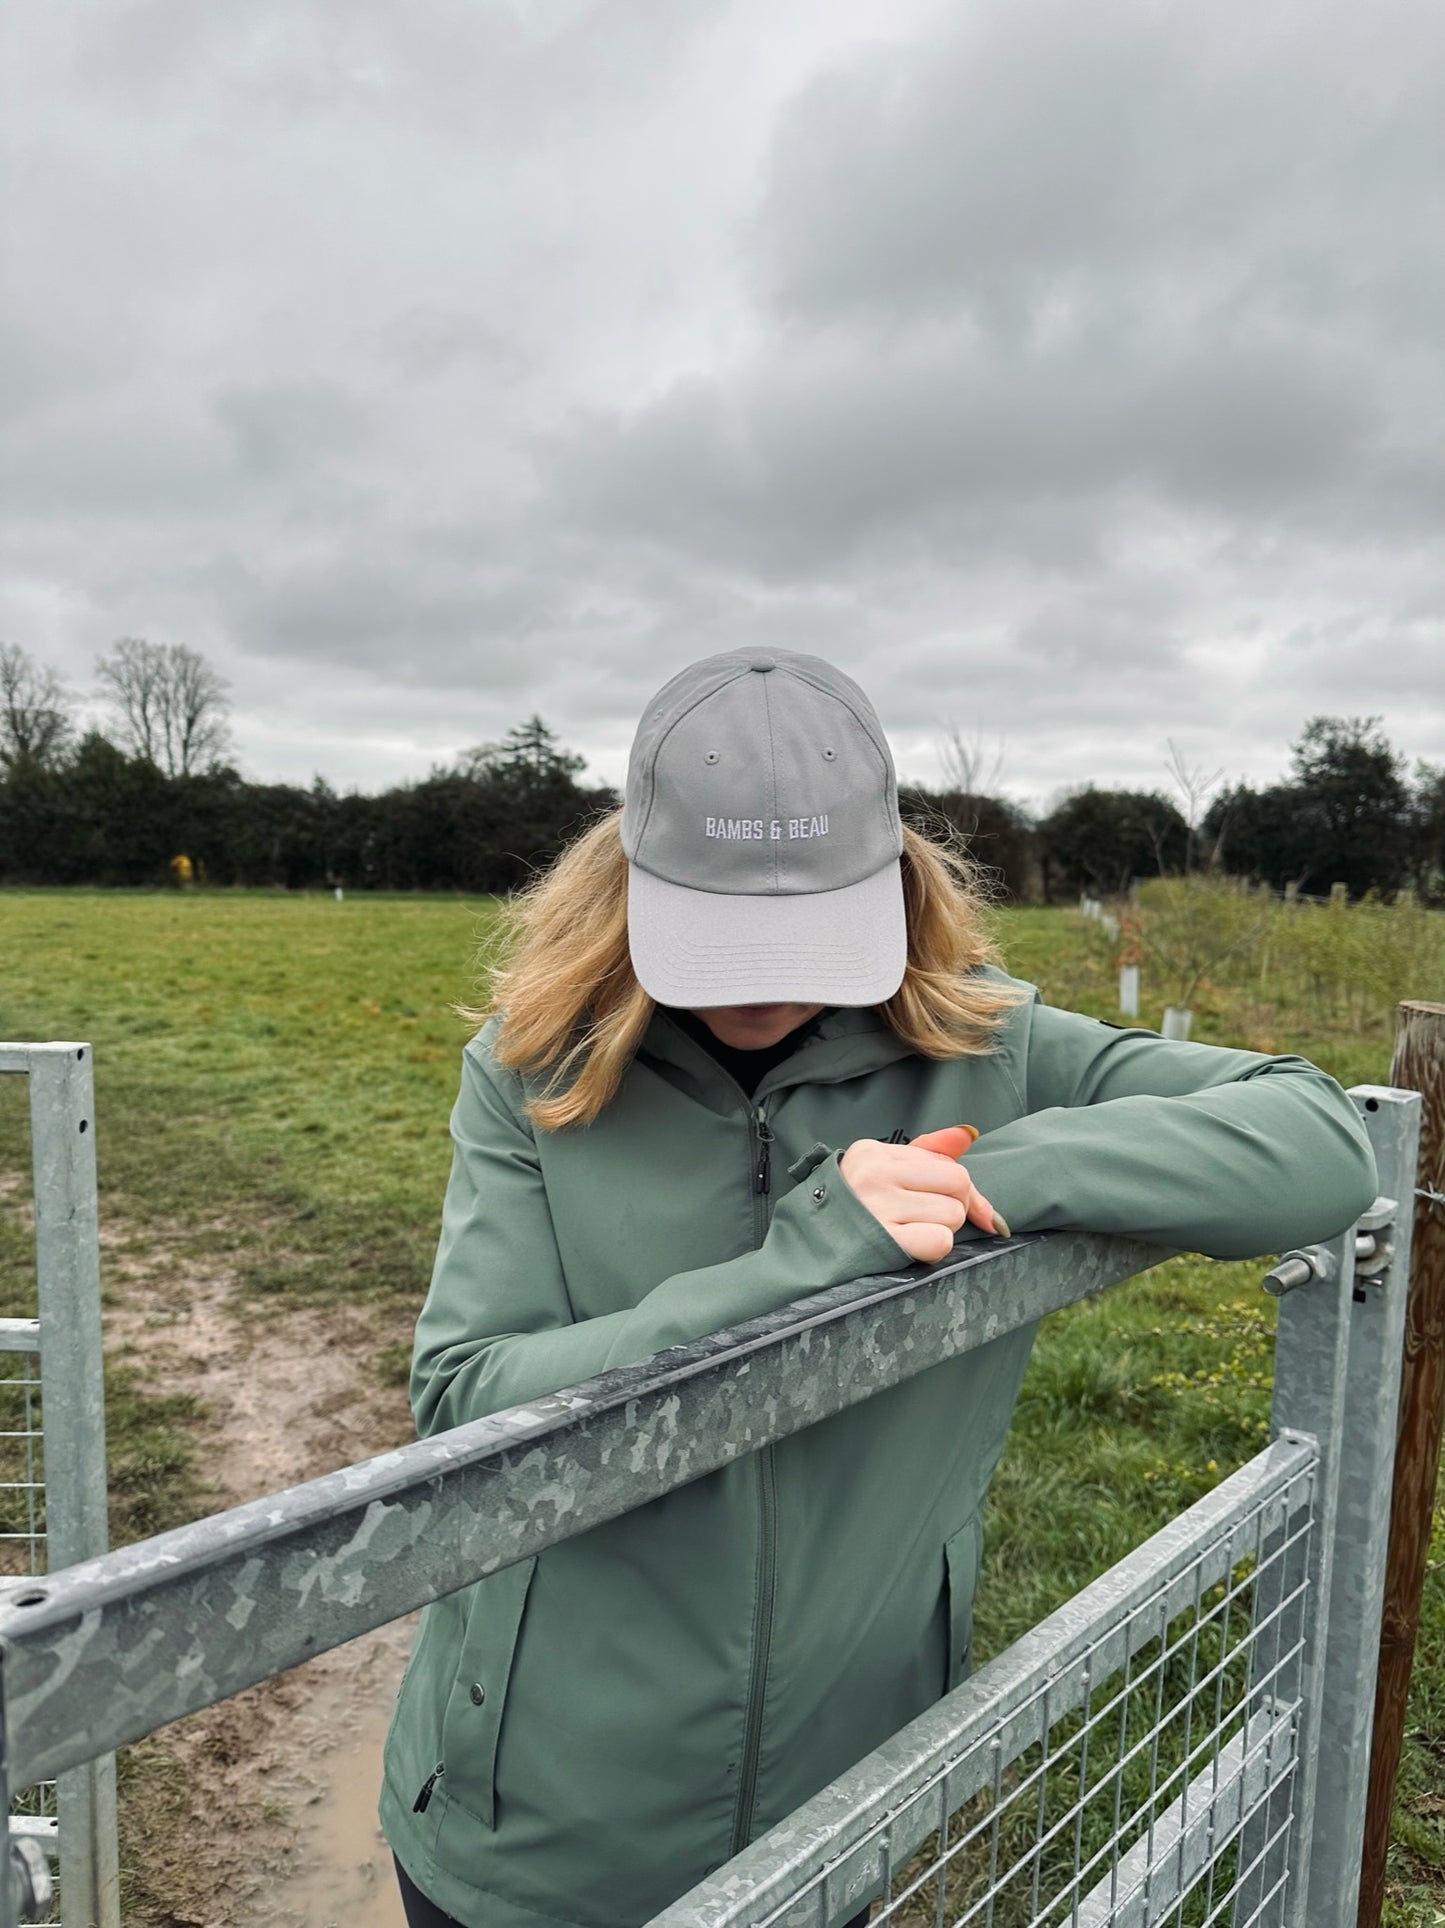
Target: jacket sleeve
[[497, 1327], [1223, 1152]]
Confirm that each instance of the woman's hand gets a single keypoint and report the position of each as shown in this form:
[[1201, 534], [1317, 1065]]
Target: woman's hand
[[919, 1193]]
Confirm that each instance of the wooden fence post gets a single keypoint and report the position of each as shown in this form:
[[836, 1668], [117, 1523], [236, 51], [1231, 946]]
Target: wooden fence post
[[1419, 1065]]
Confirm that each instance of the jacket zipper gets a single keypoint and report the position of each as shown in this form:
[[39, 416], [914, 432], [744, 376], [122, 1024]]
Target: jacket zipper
[[767, 1546], [763, 1170], [423, 1800]]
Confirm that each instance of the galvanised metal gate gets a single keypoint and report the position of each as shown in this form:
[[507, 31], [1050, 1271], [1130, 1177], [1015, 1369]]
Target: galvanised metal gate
[[1100, 1770], [1186, 1740], [52, 1450]]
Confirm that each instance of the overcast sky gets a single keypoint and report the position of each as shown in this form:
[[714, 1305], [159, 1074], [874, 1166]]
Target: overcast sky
[[1072, 374]]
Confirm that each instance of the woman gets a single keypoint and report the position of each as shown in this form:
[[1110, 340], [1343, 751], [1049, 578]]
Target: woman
[[721, 1016]]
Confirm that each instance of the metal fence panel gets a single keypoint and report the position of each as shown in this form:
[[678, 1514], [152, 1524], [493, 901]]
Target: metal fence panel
[[64, 1410], [1096, 1755]]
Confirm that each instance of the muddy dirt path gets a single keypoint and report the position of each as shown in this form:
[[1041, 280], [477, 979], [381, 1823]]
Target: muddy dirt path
[[271, 1821]]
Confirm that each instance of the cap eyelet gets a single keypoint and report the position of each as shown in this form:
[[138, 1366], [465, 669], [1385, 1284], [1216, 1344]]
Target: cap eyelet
[[829, 755], [711, 757]]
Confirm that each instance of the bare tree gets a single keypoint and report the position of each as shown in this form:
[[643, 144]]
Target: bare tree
[[172, 705], [968, 767], [35, 723], [194, 717], [131, 676], [1194, 787]]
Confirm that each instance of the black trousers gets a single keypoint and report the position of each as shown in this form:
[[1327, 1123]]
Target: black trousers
[[421, 1913]]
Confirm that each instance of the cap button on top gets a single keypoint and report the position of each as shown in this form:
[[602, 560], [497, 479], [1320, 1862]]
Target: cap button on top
[[762, 663]]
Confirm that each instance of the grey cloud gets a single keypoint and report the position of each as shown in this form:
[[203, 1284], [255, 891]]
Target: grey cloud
[[1043, 149], [42, 368], [278, 428], [428, 344], [160, 450], [807, 462], [502, 73], [113, 459], [1041, 266], [377, 614]]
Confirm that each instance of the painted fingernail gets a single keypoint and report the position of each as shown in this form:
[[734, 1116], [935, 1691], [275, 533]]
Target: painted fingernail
[[1000, 1226]]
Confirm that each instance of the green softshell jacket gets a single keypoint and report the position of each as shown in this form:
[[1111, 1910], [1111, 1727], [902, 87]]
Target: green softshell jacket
[[602, 1725]]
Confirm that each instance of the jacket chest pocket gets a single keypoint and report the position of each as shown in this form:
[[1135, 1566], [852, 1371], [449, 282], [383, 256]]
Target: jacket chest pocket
[[963, 1555], [472, 1725]]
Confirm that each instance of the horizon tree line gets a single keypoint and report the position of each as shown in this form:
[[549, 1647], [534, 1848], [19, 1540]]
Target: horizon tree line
[[115, 806]]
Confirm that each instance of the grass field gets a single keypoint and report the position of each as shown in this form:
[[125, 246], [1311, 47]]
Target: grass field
[[274, 1075]]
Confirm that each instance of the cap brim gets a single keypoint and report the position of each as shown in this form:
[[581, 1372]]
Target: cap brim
[[699, 948]]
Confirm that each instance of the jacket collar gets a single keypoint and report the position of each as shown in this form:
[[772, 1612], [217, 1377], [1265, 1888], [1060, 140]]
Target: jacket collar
[[844, 1044]]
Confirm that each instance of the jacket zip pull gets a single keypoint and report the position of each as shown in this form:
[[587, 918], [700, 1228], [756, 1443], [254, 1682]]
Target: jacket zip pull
[[763, 1176], [423, 1800]]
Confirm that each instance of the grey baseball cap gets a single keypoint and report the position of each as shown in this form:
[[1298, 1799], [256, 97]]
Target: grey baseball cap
[[762, 831]]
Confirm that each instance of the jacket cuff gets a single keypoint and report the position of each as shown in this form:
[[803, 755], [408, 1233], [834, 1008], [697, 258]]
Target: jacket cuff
[[839, 1227]]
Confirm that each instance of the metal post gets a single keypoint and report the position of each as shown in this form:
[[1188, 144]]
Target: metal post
[[1362, 1516], [1418, 1065], [1293, 1592], [67, 1255]]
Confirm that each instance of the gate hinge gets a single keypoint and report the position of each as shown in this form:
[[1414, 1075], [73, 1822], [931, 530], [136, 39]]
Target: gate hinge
[[1374, 1248]]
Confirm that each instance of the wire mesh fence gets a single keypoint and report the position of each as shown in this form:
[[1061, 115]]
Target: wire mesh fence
[[1130, 1803], [22, 1452], [1128, 1763], [34, 1812]]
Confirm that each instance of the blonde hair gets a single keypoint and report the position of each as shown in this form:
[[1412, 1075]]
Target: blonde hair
[[572, 1011]]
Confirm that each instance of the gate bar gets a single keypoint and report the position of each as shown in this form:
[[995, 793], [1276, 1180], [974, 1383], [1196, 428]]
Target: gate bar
[[116, 1647]]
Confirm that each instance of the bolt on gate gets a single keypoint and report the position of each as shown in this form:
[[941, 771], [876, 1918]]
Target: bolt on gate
[[1186, 1741], [52, 1453]]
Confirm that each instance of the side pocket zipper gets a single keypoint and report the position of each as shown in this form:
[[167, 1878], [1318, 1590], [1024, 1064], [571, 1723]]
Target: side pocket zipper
[[423, 1800]]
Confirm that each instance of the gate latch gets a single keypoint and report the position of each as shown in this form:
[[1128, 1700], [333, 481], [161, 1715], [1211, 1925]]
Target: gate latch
[[1374, 1249], [1294, 1269]]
